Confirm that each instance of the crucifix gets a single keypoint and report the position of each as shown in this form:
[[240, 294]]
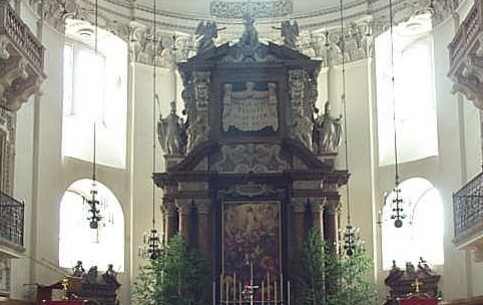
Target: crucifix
[[417, 283], [65, 285], [249, 289]]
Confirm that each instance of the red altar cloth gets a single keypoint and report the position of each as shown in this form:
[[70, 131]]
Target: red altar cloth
[[418, 301], [64, 302]]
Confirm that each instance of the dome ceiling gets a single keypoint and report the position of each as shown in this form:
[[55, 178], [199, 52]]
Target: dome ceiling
[[313, 15], [234, 8], [318, 21]]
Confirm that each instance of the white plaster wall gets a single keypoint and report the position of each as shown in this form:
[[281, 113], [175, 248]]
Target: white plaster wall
[[142, 145], [42, 176], [360, 157], [455, 282], [23, 183], [142, 142], [47, 161]]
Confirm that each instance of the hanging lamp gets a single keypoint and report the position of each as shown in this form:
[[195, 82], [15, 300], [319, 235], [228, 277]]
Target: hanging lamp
[[151, 248], [350, 234], [397, 209]]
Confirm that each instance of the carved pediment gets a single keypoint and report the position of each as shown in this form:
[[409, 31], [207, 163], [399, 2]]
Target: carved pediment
[[250, 157], [229, 55], [288, 156]]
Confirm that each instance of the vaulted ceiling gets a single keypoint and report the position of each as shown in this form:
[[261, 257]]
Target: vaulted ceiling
[[319, 21], [202, 7], [184, 15]]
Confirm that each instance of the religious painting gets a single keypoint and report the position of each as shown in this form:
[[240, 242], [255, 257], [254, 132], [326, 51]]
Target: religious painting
[[251, 247]]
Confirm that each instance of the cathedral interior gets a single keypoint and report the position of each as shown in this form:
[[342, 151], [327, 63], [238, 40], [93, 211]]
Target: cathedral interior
[[243, 129]]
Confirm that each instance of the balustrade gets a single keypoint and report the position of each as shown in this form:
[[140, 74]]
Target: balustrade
[[20, 35], [468, 217], [11, 220], [21, 59]]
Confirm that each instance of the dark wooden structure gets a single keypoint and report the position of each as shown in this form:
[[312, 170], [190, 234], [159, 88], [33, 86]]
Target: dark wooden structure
[[248, 182], [93, 289], [414, 283]]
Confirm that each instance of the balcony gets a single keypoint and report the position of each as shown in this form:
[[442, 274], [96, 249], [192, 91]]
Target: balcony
[[11, 226], [468, 217], [21, 60], [466, 56]]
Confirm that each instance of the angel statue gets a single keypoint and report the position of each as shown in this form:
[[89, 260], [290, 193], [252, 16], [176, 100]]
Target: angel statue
[[327, 131], [249, 38], [290, 33], [207, 32], [171, 132]]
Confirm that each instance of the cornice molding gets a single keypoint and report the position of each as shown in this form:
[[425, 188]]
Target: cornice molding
[[319, 30]]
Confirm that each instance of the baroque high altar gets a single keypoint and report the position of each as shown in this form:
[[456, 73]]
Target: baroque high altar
[[251, 171]]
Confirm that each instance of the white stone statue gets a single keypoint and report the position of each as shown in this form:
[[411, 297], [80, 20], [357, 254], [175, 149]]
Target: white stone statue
[[171, 132], [328, 132]]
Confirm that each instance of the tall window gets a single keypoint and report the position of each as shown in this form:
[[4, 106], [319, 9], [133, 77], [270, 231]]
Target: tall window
[[3, 161], [4, 277], [95, 91], [77, 241], [422, 232], [413, 96]]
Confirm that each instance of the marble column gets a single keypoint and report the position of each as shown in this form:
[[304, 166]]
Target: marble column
[[203, 208], [169, 210], [185, 207], [298, 232], [331, 226], [316, 207]]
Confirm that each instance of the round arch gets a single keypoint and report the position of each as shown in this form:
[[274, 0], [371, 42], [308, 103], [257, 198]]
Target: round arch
[[78, 241], [421, 234]]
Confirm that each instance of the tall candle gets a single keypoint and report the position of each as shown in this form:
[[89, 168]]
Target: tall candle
[[281, 286], [263, 286], [251, 283], [275, 288], [234, 286], [227, 290], [268, 282], [288, 292], [221, 288]]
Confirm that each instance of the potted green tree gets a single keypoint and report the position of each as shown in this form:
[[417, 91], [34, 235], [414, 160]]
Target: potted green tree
[[326, 278], [179, 276]]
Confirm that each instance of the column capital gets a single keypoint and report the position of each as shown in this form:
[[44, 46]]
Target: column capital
[[202, 205], [185, 206], [299, 204], [332, 206], [168, 208], [317, 204]]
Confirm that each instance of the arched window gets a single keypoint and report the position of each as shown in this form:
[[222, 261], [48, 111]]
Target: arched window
[[423, 226], [413, 97], [95, 90], [77, 241]]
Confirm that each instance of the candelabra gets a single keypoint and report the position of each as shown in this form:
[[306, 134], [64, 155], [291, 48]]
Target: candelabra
[[151, 248], [94, 215], [351, 240], [397, 215]]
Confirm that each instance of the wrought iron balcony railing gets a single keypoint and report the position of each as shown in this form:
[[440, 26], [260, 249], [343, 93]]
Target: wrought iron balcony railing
[[11, 220], [468, 211]]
